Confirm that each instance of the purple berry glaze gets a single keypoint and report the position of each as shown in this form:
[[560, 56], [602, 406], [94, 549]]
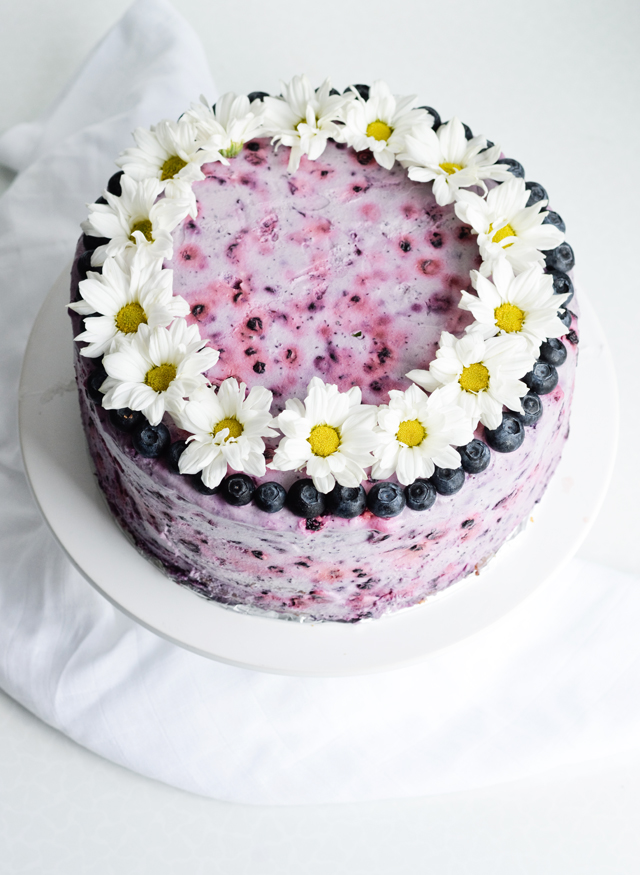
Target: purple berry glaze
[[283, 270]]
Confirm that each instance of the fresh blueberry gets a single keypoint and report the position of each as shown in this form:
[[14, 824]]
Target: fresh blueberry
[[303, 499], [237, 489], [475, 456], [176, 449], [363, 91], [562, 284], [334, 92], [565, 316], [437, 121], [553, 352], [386, 499], [468, 133], [257, 95], [151, 440], [513, 166], [199, 486], [114, 186], [554, 219], [270, 497], [448, 481], [90, 243], [346, 502], [125, 420], [95, 379], [101, 200], [84, 264], [532, 409], [537, 193], [420, 495], [508, 436], [560, 258], [542, 378]]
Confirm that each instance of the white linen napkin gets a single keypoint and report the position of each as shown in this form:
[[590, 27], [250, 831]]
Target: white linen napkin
[[555, 682]]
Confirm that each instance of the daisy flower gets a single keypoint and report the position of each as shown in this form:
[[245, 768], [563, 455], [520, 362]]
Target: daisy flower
[[156, 370], [331, 434], [169, 152], [507, 227], [228, 125], [126, 296], [417, 432], [138, 218], [524, 304], [304, 119], [227, 429], [479, 375], [383, 122], [451, 161]]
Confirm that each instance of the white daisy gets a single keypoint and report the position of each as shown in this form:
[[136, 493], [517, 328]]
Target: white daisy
[[417, 433], [157, 369], [226, 128], [304, 119], [479, 375], [507, 227], [227, 429], [169, 151], [126, 295], [451, 161], [331, 434], [137, 218], [383, 122], [524, 304]]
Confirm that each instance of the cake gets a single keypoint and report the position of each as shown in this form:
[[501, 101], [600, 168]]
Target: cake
[[323, 349]]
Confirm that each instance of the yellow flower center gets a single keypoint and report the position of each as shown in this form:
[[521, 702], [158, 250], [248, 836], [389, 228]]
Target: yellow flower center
[[379, 130], [509, 317], [171, 167], [449, 167], [145, 226], [130, 317], [160, 377], [235, 428], [474, 378], [324, 440], [232, 151], [499, 236], [411, 432]]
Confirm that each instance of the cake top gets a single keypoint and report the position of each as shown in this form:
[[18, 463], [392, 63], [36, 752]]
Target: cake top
[[374, 277]]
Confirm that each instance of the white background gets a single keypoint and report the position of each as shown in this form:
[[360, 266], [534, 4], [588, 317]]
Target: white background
[[556, 84]]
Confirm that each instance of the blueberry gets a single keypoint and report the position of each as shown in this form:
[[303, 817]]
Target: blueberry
[[513, 166], [346, 502], [90, 243], [532, 409], [237, 489], [553, 352], [560, 258], [101, 200], [565, 317], [113, 186], [475, 456], [176, 449], [554, 219], [332, 93], [95, 379], [151, 440], [508, 436], [562, 284], [537, 193], [363, 91], [437, 121], [467, 130], [257, 95], [420, 495], [84, 264], [124, 419], [542, 378], [303, 499], [199, 486], [386, 499], [270, 497], [448, 481]]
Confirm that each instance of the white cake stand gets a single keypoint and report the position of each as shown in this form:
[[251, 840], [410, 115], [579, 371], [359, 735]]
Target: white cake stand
[[59, 469]]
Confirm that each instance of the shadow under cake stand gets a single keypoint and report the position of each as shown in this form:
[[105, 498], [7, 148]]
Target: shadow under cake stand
[[60, 472]]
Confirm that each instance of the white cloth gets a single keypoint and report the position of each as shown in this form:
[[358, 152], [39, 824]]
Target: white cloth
[[555, 682]]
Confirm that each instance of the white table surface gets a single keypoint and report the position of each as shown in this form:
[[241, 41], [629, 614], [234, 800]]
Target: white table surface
[[556, 83]]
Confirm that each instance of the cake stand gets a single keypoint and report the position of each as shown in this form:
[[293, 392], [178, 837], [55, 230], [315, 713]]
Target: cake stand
[[60, 472]]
